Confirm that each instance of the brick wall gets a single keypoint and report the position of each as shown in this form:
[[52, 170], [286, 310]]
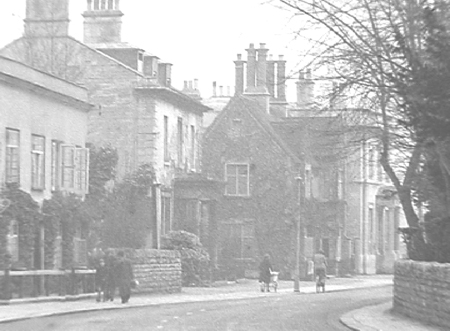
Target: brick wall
[[157, 270], [422, 291]]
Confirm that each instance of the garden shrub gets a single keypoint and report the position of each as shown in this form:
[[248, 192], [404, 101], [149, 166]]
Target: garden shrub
[[194, 258]]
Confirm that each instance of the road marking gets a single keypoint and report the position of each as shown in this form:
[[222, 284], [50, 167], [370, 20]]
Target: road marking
[[202, 309], [189, 313], [159, 327], [164, 321], [175, 317]]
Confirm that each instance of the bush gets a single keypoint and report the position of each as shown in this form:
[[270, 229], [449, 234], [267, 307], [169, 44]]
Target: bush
[[194, 258]]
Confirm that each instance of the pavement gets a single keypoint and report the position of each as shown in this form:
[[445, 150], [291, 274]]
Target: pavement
[[370, 318]]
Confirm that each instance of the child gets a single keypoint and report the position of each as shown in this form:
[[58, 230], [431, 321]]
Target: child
[[100, 280]]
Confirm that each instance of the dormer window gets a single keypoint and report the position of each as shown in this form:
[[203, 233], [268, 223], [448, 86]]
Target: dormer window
[[140, 62]]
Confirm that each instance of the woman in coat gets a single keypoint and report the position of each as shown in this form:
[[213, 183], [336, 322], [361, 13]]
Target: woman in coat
[[124, 276], [265, 269]]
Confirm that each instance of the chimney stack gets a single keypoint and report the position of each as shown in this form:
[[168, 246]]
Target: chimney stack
[[281, 79], [239, 79], [261, 72], [102, 22], [337, 100], [305, 90], [47, 18], [214, 89], [271, 77], [251, 69]]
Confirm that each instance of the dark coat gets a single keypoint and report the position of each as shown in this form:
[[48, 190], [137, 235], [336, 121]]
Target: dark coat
[[124, 272], [265, 267]]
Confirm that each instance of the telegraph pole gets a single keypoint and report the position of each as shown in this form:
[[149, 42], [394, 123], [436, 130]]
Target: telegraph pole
[[297, 240]]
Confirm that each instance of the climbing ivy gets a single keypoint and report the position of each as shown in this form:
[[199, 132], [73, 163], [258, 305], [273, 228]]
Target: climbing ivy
[[25, 211]]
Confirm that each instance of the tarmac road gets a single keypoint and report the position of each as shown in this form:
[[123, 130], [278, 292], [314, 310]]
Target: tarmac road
[[280, 311]]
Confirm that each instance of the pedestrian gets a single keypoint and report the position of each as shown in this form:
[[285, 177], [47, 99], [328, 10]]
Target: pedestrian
[[124, 276], [320, 270], [110, 279], [265, 270], [100, 280]]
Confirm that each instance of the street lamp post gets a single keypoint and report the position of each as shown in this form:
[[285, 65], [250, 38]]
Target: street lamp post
[[297, 240]]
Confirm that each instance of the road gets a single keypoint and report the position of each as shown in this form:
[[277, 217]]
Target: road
[[282, 311]]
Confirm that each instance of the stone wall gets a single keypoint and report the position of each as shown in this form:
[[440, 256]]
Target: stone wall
[[422, 291], [156, 270]]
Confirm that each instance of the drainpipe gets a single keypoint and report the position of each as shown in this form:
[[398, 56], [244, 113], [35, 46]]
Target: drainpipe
[[363, 207]]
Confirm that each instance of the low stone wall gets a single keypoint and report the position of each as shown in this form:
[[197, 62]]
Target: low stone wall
[[156, 270], [422, 291]]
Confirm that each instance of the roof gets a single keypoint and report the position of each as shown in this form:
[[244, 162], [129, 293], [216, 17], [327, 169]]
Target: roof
[[172, 95], [246, 104], [37, 79]]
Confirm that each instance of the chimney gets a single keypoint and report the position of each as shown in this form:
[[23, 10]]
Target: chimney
[[261, 72], [228, 91], [239, 79], [337, 100], [214, 89], [220, 91], [281, 79], [271, 77], [47, 18], [251, 69], [102, 22], [305, 90]]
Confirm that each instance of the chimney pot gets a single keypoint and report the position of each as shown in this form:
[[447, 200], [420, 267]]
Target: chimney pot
[[262, 45], [239, 57], [196, 83], [280, 57], [214, 89], [252, 45]]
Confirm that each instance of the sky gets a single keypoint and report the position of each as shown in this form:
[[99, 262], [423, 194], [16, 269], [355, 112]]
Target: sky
[[201, 38]]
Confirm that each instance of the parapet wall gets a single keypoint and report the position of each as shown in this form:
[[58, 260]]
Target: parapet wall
[[157, 270], [422, 291]]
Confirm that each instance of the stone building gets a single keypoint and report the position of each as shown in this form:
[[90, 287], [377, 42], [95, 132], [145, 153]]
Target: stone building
[[280, 165], [139, 113], [44, 126]]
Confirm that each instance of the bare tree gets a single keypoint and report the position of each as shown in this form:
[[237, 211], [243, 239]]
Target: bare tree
[[370, 47]]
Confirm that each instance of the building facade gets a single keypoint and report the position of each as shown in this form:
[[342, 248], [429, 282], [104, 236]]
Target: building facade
[[281, 165], [44, 126], [140, 113]]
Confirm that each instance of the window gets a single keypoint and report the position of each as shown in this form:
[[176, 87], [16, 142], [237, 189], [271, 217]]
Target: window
[[37, 162], [180, 141], [13, 240], [371, 162], [237, 179], [55, 174], [12, 156], [166, 139], [165, 217], [74, 168], [80, 246], [192, 147], [371, 234]]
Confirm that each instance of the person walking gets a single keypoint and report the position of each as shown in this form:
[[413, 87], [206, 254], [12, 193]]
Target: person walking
[[320, 270], [110, 275], [124, 276], [100, 280], [265, 269]]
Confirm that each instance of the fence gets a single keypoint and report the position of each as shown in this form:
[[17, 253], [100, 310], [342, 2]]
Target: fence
[[39, 283]]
